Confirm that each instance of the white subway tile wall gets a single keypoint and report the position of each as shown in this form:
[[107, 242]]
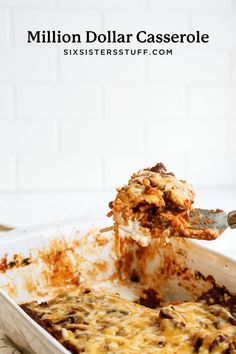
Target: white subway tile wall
[[144, 102], [220, 26], [70, 124], [28, 138], [23, 65], [133, 21], [203, 102], [28, 4], [191, 66], [103, 4], [58, 102], [59, 173], [102, 70], [191, 5]]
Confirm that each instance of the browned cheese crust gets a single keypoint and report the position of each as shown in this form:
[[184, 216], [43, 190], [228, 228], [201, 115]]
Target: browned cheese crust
[[102, 322]]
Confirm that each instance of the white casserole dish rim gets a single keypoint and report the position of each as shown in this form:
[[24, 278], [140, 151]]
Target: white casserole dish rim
[[40, 330]]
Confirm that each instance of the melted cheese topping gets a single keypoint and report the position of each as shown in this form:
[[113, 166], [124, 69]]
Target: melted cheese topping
[[101, 322], [179, 192]]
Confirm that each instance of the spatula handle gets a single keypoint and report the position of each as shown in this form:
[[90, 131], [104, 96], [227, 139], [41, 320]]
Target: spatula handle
[[232, 219], [4, 227]]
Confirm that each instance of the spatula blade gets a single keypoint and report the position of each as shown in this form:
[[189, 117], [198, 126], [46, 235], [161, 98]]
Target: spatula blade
[[209, 219]]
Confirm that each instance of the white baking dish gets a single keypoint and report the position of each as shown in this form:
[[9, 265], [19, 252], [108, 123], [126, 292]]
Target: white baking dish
[[39, 262]]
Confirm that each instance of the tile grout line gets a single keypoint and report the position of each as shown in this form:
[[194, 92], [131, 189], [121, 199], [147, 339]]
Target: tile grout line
[[13, 86], [231, 66], [103, 115], [102, 85], [58, 139], [145, 127], [188, 94], [146, 70], [103, 172], [190, 22], [148, 6], [11, 27], [186, 165], [17, 174], [57, 4], [14, 102], [57, 73]]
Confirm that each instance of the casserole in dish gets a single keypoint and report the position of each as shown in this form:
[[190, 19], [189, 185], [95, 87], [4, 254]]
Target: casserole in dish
[[75, 256]]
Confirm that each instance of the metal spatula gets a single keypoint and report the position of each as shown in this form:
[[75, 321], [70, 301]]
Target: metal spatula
[[215, 221]]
